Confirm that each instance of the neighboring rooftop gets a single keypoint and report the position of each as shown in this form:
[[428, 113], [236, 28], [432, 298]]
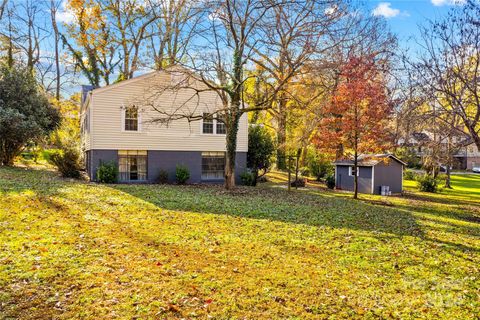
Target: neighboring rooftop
[[421, 137], [369, 160]]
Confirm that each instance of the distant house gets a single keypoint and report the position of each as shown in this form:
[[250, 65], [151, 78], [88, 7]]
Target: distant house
[[374, 172], [467, 156], [418, 142], [117, 125]]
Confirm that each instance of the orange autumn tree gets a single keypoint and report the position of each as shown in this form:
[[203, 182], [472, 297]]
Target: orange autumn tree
[[355, 121]]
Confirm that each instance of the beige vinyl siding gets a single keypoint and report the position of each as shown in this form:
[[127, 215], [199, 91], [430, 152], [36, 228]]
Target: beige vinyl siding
[[179, 135]]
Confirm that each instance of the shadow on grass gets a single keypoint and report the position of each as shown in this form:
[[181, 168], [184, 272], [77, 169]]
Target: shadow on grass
[[314, 208], [442, 198], [279, 205]]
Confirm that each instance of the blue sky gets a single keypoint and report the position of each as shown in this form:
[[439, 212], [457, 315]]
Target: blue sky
[[404, 16]]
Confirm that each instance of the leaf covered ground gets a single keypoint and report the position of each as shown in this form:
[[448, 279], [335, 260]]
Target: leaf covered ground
[[71, 249]]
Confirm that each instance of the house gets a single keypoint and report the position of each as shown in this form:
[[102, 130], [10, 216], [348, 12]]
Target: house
[[418, 142], [121, 123], [466, 157], [374, 171]]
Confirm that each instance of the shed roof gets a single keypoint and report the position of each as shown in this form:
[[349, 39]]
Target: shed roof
[[369, 160]]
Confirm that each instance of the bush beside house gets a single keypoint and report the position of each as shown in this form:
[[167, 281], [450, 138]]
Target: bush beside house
[[67, 162], [182, 174], [107, 172]]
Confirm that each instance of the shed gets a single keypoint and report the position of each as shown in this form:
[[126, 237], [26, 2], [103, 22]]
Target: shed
[[374, 172]]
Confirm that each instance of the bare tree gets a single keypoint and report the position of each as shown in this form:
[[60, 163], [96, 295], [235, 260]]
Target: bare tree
[[295, 34], [130, 21], [8, 37], [172, 30], [30, 31], [449, 69], [23, 32]]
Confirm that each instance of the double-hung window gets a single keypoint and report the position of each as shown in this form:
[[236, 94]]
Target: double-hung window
[[220, 126], [131, 118], [213, 125], [207, 126]]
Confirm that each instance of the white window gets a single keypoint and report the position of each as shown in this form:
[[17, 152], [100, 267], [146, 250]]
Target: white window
[[211, 125], [207, 126], [351, 171], [213, 165], [220, 126], [131, 119]]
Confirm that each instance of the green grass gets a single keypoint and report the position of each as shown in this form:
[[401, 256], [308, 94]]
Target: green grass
[[71, 249]]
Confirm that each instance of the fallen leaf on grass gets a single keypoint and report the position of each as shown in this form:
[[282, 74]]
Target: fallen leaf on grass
[[173, 308]]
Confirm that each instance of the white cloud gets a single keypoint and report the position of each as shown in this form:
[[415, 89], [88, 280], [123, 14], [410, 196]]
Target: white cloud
[[439, 3], [64, 14], [331, 10], [384, 9]]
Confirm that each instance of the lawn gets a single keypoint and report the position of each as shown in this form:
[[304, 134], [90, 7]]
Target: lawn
[[71, 249]]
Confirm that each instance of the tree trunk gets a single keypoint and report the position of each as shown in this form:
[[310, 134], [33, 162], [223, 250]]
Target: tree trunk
[[57, 54], [447, 178], [3, 4], [449, 161], [10, 59], [231, 137], [8, 152], [232, 120], [304, 157], [255, 175], [297, 159], [281, 137], [355, 176], [339, 152], [355, 161]]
